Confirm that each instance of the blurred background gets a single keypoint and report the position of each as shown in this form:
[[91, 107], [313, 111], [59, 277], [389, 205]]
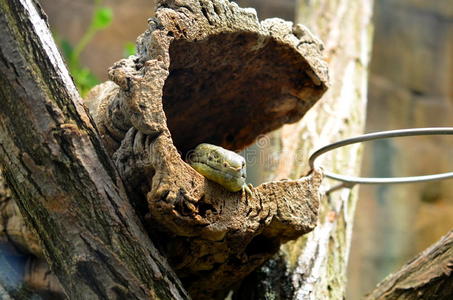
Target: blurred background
[[410, 85]]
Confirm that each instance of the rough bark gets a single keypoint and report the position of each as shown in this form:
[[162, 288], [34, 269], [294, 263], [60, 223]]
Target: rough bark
[[209, 71], [316, 263], [32, 273], [65, 184], [13, 229], [427, 276], [226, 235]]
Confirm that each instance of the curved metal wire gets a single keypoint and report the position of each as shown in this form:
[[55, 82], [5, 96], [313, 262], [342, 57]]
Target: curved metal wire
[[351, 180]]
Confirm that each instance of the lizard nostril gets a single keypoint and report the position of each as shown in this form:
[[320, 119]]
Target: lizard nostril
[[225, 164], [229, 138]]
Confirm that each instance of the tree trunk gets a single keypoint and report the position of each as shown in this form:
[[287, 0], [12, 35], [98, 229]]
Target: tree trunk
[[65, 184], [314, 266]]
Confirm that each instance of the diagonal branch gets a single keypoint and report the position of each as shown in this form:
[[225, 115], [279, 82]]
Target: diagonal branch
[[427, 276], [65, 183]]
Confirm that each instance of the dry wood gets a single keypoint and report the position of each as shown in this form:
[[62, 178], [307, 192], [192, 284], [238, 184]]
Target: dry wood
[[209, 71], [17, 240], [254, 77]]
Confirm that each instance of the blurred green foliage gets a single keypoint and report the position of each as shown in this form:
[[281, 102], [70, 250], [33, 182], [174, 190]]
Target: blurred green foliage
[[128, 49], [83, 77]]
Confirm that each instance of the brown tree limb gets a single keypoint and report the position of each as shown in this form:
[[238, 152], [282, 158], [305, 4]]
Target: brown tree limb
[[67, 188], [428, 276]]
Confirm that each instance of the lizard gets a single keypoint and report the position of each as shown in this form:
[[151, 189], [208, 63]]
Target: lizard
[[222, 166]]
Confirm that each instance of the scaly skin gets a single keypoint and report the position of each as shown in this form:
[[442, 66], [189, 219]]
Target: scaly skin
[[220, 165]]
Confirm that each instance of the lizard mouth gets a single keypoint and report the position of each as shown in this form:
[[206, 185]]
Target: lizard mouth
[[235, 174], [227, 175]]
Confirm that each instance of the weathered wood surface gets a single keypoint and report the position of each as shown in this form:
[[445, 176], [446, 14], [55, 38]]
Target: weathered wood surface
[[209, 71], [13, 229], [65, 184], [225, 235], [427, 276], [214, 74]]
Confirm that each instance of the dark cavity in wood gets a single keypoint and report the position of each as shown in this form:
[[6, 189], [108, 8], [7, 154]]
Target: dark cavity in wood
[[209, 71], [231, 87]]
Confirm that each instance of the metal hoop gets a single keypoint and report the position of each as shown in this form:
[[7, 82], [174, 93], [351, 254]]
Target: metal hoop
[[381, 135]]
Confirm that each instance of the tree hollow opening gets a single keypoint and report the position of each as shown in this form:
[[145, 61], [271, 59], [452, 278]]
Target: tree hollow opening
[[231, 87]]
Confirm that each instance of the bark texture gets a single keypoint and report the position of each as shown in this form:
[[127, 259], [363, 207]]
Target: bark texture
[[65, 184], [209, 71], [13, 229], [316, 263], [212, 56], [427, 276], [23, 269]]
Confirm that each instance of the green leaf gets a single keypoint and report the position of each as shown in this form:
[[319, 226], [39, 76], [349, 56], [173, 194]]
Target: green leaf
[[84, 80], [128, 49], [102, 17], [66, 48]]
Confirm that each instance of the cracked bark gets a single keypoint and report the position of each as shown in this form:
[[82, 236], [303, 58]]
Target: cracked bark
[[65, 184], [70, 193], [20, 242]]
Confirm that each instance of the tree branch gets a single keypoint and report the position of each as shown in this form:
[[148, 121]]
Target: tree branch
[[67, 187], [427, 276]]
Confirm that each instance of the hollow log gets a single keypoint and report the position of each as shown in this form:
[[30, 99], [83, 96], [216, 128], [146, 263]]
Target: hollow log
[[209, 71]]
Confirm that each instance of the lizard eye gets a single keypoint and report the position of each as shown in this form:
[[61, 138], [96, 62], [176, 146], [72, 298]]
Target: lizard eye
[[243, 164]]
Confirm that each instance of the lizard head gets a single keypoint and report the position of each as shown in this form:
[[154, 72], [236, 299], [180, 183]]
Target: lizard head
[[219, 165]]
